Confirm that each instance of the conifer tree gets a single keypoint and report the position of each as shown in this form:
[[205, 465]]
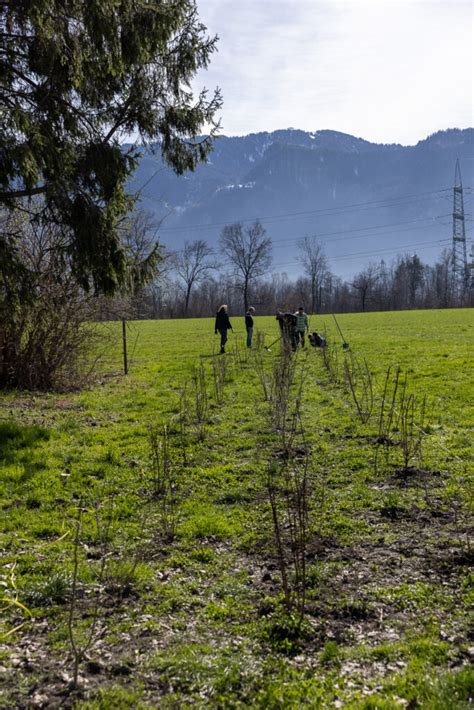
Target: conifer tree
[[77, 78]]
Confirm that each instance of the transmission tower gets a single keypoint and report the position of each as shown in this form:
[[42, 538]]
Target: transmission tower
[[460, 274]]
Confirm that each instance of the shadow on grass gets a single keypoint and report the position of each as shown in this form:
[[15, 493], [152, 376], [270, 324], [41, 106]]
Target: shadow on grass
[[16, 439]]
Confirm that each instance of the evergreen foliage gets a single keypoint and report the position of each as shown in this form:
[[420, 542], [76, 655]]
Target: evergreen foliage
[[76, 78]]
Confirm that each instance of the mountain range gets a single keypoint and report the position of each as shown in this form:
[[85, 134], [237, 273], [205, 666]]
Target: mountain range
[[363, 201]]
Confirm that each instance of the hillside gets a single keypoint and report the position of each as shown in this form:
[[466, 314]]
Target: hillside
[[365, 201]]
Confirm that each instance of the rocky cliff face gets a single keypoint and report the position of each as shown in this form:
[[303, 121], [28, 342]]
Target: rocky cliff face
[[364, 201]]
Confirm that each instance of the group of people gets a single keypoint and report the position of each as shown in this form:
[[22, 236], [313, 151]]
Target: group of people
[[293, 326], [223, 324]]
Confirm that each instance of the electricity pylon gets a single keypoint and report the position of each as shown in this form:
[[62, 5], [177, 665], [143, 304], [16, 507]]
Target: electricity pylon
[[460, 273]]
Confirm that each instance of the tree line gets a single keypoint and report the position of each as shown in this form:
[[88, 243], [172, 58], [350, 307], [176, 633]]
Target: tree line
[[48, 318], [193, 282]]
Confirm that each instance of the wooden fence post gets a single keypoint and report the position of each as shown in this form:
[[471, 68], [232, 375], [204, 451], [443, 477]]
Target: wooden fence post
[[124, 339]]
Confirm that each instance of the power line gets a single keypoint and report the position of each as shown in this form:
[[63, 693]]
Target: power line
[[387, 202], [364, 229], [386, 250], [340, 212], [415, 247], [379, 252], [294, 240]]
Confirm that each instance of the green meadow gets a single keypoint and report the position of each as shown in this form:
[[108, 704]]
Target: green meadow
[[141, 565]]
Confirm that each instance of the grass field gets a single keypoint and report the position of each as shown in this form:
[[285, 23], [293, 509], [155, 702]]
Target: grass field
[[139, 549]]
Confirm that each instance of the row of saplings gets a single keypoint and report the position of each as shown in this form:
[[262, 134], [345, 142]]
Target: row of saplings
[[288, 481]]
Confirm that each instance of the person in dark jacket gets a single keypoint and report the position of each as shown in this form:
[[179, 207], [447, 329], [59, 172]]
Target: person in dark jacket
[[280, 316], [249, 325], [222, 325]]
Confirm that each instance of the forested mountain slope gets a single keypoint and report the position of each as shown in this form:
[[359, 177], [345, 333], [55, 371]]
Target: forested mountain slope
[[364, 201]]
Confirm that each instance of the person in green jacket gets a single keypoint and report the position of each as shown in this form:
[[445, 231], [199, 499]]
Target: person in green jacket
[[302, 325]]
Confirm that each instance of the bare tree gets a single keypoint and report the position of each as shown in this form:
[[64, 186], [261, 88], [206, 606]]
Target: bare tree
[[138, 237], [365, 281], [440, 281], [46, 328], [249, 251], [314, 263], [147, 261], [408, 280], [192, 266]]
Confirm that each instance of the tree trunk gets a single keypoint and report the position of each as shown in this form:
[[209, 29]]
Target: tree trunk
[[246, 295], [186, 300], [313, 296]]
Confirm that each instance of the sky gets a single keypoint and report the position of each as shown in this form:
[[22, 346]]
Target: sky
[[388, 71]]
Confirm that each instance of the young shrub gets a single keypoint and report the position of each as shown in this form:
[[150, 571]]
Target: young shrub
[[283, 377], [240, 352], [219, 371], [387, 415], [82, 639], [401, 421], [47, 330], [359, 381], [259, 363], [163, 480], [410, 425], [331, 361], [287, 488], [459, 497], [201, 399]]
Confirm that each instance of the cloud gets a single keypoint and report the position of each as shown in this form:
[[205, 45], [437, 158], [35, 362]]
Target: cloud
[[387, 71]]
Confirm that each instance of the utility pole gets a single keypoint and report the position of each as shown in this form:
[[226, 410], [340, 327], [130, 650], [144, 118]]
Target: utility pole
[[459, 273], [470, 267]]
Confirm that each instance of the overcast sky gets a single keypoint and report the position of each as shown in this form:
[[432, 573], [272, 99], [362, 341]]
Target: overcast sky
[[389, 71]]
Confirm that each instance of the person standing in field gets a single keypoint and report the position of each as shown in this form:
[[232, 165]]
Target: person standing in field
[[302, 325], [222, 325], [249, 325]]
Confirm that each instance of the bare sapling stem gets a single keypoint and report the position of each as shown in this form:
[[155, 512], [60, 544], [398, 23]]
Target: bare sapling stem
[[163, 480], [201, 400], [359, 380], [82, 643], [387, 415], [219, 371]]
